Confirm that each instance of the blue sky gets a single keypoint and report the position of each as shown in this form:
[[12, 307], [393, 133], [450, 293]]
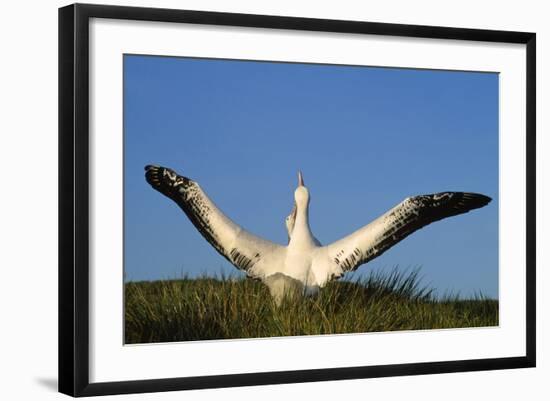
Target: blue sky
[[364, 137]]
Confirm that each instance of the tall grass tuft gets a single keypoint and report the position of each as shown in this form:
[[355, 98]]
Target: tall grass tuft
[[228, 308]]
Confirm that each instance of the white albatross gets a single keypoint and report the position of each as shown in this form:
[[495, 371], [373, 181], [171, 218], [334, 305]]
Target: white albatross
[[304, 265]]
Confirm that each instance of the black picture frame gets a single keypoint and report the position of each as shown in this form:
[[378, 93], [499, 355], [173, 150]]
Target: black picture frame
[[74, 198]]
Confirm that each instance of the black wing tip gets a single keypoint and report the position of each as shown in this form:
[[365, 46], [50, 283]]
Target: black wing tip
[[461, 202], [476, 200], [153, 175], [164, 179], [151, 167]]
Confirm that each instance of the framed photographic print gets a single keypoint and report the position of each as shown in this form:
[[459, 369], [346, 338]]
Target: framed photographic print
[[251, 199]]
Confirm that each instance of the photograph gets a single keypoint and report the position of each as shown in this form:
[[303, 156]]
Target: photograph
[[273, 199]]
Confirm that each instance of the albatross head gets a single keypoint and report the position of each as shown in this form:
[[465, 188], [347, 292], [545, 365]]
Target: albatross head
[[301, 195]]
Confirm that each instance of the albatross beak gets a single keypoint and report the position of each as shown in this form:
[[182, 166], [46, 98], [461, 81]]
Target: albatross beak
[[300, 179]]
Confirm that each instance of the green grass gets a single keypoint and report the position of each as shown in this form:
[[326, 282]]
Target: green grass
[[224, 308]]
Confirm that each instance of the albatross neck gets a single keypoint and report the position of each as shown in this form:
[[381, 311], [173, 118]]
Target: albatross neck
[[301, 234]]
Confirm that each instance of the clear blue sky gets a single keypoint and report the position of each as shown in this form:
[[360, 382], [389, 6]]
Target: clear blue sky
[[365, 138]]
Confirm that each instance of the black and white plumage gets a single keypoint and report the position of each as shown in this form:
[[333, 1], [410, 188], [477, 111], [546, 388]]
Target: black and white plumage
[[305, 265]]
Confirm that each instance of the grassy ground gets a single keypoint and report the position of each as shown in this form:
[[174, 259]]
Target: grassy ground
[[222, 308]]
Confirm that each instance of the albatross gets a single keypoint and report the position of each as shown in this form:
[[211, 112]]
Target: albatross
[[304, 265]]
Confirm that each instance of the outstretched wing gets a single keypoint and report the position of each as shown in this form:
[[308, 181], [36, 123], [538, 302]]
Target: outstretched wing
[[410, 215], [244, 250]]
